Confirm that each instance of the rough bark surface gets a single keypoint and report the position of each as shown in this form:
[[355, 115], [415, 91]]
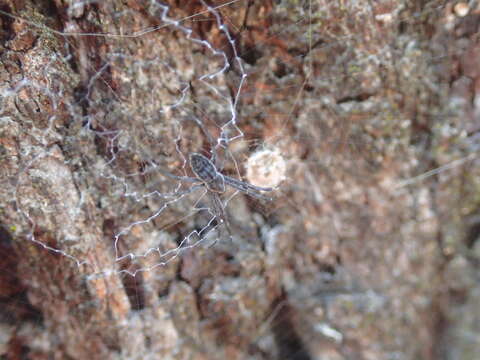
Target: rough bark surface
[[364, 253]]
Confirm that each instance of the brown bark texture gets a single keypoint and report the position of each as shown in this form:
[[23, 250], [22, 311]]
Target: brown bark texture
[[369, 114]]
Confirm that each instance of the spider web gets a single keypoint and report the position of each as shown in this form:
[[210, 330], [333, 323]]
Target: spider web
[[168, 132], [143, 103], [183, 138]]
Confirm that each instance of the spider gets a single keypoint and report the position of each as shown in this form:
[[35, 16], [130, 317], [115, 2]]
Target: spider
[[208, 176]]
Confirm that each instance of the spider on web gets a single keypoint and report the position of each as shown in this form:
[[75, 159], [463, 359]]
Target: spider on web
[[209, 177]]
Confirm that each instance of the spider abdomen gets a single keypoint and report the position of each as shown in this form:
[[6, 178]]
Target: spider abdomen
[[205, 170]]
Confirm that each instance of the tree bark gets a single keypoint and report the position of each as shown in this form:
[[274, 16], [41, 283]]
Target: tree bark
[[368, 249]]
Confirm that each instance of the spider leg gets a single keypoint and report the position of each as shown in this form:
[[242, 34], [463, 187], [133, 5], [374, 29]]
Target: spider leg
[[211, 140], [175, 194], [175, 177], [219, 212], [196, 184], [153, 167], [247, 188]]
